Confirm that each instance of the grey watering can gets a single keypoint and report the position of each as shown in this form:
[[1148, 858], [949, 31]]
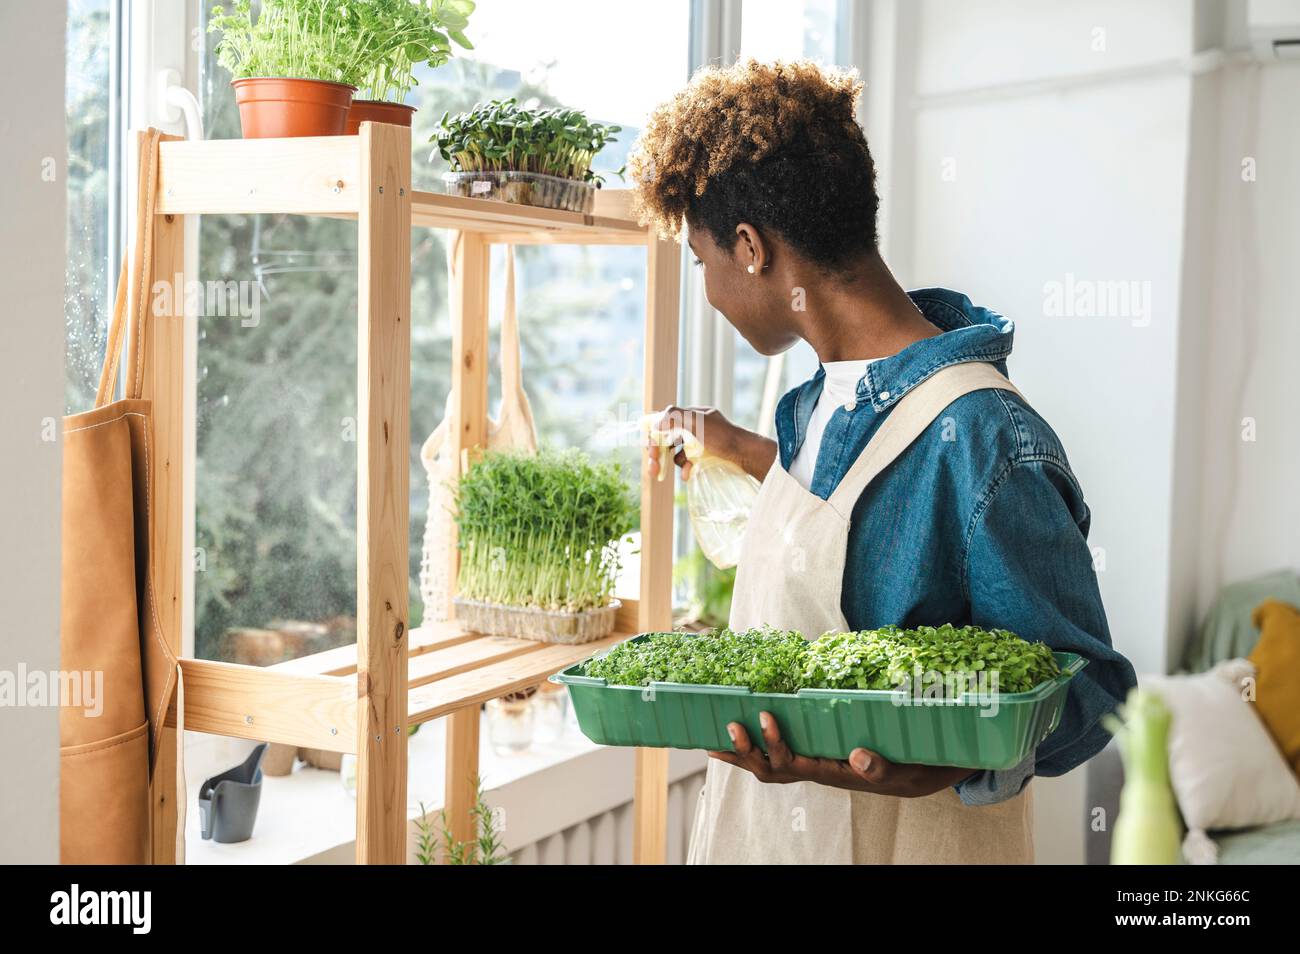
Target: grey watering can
[[228, 802]]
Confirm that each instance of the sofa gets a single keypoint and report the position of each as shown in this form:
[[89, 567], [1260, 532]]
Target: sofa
[[1228, 633]]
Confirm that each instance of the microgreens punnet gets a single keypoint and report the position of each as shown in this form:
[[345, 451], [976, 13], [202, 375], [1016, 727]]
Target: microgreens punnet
[[541, 530], [768, 660], [503, 136]]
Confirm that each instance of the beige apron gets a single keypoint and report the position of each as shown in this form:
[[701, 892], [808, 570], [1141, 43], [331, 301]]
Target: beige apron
[[790, 576]]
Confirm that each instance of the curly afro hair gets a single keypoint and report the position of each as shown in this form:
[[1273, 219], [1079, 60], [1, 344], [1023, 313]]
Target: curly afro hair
[[774, 144]]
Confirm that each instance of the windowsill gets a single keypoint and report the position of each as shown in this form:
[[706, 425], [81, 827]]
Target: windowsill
[[307, 817]]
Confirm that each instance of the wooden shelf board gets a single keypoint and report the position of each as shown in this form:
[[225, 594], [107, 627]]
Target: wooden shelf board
[[478, 685], [306, 176], [248, 702], [322, 175], [437, 651], [436, 210], [565, 237], [449, 669], [473, 653], [342, 660]]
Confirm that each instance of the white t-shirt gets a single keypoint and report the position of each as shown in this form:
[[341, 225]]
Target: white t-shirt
[[839, 388]]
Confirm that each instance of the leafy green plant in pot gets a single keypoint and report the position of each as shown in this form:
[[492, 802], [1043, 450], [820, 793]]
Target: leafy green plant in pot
[[527, 156], [393, 38], [292, 65], [538, 537]]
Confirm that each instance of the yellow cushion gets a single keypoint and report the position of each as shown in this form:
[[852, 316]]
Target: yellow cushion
[[1277, 680]]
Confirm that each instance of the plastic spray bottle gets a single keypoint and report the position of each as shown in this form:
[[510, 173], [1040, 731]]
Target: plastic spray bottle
[[719, 493]]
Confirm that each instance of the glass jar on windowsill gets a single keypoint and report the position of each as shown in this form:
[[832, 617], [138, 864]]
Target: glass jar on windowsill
[[511, 722], [551, 716]]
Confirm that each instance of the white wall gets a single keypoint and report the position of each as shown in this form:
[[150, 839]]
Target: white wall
[[1249, 507], [31, 392], [997, 178], [1014, 186]]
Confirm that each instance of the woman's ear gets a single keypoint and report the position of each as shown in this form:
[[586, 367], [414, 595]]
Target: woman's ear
[[751, 250]]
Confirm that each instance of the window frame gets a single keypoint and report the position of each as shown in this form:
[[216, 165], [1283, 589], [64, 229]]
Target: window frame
[[159, 47]]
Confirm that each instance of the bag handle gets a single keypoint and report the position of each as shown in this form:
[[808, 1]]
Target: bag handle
[[512, 377], [512, 381], [131, 303]]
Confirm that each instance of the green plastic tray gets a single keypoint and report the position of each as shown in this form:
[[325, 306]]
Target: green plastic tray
[[827, 723]]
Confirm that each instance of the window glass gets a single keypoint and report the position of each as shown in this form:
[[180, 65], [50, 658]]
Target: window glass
[[789, 29], [276, 469], [770, 30], [526, 51], [92, 188]]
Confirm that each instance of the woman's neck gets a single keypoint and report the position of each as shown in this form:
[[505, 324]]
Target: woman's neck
[[865, 315]]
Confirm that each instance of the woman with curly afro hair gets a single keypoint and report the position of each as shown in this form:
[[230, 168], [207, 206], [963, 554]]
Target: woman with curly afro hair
[[910, 483]]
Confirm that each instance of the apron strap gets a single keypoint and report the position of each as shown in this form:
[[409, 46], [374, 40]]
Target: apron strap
[[512, 379], [915, 412], [131, 304]]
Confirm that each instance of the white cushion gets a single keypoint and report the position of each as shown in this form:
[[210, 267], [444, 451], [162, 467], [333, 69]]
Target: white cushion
[[1225, 768]]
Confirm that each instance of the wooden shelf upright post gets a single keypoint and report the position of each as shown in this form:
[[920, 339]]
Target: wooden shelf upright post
[[655, 607], [470, 261], [383, 488], [164, 384]]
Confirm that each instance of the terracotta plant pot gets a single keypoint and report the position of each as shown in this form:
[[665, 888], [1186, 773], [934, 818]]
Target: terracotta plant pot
[[279, 759], [319, 758], [275, 108], [373, 111]]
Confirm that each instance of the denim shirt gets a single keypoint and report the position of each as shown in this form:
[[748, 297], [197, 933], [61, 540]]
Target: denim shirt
[[979, 521]]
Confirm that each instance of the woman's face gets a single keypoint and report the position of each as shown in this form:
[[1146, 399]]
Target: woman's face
[[752, 301]]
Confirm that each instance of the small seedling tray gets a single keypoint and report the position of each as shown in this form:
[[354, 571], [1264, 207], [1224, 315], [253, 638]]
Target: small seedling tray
[[523, 188], [981, 731], [543, 626]]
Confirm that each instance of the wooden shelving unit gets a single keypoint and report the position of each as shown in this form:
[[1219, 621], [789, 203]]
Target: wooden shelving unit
[[362, 698]]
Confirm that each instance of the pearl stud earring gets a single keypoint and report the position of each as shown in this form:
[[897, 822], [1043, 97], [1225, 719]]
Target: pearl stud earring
[[750, 269]]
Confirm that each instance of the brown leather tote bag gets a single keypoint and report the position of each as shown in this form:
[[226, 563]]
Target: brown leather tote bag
[[110, 623]]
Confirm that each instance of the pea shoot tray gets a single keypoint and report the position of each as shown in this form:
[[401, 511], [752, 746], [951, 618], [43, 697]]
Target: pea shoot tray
[[982, 731]]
